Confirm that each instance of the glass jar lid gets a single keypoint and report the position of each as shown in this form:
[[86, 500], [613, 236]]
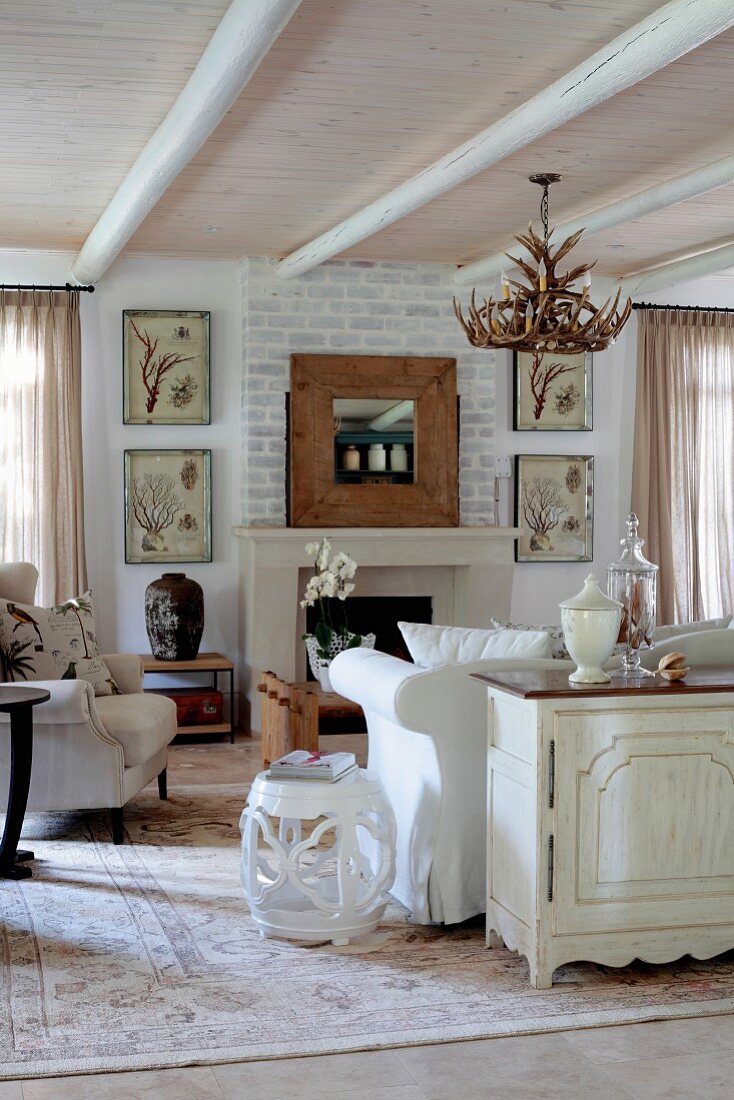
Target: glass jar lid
[[632, 560]]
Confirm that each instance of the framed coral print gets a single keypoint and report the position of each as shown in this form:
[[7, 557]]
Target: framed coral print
[[165, 366], [168, 510], [554, 506], [552, 392]]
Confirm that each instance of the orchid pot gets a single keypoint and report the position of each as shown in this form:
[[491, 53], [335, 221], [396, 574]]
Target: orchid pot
[[320, 656]]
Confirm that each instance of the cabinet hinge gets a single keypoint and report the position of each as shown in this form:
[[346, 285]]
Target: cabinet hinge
[[552, 774], [550, 867]]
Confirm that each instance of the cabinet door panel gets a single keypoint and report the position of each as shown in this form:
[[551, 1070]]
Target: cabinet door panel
[[511, 840], [644, 818]]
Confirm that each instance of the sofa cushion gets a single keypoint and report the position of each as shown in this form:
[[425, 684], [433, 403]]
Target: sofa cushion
[[53, 643], [142, 723], [662, 633], [432, 646], [555, 633]]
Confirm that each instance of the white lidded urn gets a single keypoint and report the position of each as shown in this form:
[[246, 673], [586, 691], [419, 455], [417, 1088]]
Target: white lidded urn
[[590, 627]]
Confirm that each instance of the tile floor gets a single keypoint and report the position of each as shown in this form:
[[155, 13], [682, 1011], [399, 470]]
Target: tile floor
[[672, 1060]]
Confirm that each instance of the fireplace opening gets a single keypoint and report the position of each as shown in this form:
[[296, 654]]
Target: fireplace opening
[[378, 615]]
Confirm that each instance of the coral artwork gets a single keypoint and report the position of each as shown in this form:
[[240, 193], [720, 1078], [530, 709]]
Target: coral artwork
[[542, 375], [542, 507], [573, 479], [554, 507], [157, 345], [187, 525], [168, 506], [155, 507], [154, 368], [552, 392], [183, 391], [189, 474], [566, 399]]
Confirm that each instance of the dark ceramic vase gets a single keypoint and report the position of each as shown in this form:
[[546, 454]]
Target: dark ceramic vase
[[174, 617]]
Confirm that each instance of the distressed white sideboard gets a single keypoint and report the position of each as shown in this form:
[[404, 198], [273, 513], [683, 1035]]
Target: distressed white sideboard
[[610, 818]]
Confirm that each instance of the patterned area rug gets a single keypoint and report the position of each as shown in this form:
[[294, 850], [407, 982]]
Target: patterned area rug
[[144, 955]]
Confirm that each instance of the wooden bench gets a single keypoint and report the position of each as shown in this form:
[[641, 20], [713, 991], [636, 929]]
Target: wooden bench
[[291, 712]]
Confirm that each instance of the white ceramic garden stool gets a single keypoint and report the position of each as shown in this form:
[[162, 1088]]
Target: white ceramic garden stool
[[331, 884]]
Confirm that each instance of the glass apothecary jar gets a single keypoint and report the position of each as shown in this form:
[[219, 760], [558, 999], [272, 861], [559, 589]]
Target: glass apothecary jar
[[632, 580]]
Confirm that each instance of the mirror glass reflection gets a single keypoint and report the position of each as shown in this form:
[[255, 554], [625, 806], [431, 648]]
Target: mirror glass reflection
[[374, 441]]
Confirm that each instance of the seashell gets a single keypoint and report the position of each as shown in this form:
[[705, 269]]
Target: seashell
[[672, 660], [674, 673]]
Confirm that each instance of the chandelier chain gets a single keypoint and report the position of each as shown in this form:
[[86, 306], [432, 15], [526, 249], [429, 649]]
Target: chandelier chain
[[544, 209]]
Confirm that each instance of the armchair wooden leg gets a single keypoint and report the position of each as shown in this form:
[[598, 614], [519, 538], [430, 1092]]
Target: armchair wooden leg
[[162, 784], [117, 825]]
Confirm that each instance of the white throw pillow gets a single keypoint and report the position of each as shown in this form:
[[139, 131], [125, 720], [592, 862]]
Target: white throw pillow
[[53, 643], [555, 633], [661, 633], [431, 646]]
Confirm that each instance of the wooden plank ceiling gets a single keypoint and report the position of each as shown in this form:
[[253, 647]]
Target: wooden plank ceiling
[[355, 96]]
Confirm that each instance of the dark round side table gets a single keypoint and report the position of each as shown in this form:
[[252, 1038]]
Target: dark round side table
[[18, 702]]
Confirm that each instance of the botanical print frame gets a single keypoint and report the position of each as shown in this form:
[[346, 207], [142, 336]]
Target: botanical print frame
[[165, 366], [552, 392], [168, 512], [554, 504]]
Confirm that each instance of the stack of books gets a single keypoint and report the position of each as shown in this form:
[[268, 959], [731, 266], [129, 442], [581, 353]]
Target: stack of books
[[325, 766]]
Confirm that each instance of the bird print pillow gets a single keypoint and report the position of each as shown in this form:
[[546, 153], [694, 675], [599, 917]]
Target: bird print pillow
[[53, 643]]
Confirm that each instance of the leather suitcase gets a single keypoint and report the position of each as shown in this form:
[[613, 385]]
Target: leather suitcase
[[195, 706]]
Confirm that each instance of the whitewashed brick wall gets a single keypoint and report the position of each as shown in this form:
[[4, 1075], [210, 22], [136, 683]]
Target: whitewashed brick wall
[[359, 307]]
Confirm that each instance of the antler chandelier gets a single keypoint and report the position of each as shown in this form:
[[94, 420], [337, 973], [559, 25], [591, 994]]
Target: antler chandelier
[[547, 314]]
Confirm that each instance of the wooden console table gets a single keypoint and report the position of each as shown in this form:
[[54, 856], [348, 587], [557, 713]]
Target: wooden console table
[[202, 662], [291, 712], [611, 817]]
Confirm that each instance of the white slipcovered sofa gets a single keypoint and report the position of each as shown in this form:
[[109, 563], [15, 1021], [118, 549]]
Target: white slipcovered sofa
[[427, 741], [90, 752]]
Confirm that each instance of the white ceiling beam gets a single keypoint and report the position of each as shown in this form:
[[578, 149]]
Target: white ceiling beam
[[247, 31], [391, 416], [671, 31], [636, 206], [678, 271]]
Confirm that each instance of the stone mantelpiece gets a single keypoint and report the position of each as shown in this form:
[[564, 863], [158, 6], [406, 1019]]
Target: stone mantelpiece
[[466, 570]]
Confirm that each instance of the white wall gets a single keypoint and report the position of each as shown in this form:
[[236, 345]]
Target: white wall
[[152, 283]]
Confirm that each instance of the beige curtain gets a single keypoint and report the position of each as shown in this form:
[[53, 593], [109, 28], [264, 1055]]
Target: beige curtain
[[41, 489], [683, 473]]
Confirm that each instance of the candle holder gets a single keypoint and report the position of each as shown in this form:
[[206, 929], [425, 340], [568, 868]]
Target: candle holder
[[632, 580]]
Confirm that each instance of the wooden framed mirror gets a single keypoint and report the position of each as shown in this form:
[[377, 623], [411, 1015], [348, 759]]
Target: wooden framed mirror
[[373, 441]]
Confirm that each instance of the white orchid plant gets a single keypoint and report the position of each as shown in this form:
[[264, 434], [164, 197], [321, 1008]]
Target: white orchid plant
[[332, 579]]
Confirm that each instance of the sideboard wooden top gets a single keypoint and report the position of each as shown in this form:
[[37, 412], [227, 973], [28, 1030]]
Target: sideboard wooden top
[[556, 685]]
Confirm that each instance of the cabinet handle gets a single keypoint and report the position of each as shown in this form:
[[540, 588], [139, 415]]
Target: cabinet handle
[[550, 867]]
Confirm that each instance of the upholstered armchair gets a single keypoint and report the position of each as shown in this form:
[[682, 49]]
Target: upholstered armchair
[[91, 752]]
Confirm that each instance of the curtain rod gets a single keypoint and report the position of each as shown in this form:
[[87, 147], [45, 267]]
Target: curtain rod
[[685, 309], [33, 286]]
